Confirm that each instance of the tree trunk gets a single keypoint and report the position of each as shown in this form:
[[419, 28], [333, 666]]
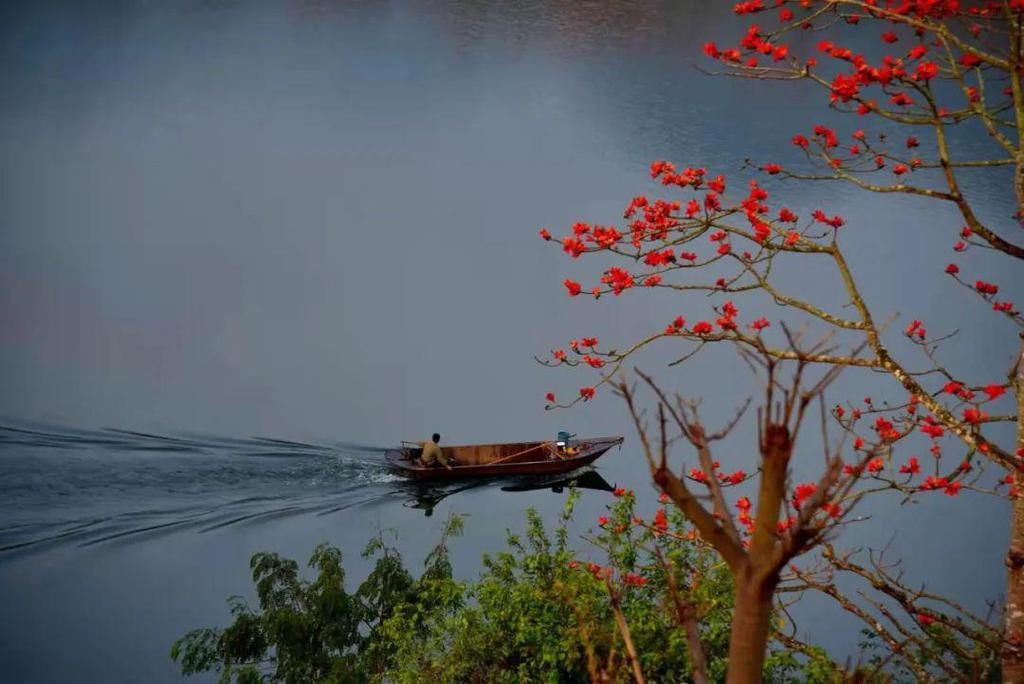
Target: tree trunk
[[1013, 652], [750, 623]]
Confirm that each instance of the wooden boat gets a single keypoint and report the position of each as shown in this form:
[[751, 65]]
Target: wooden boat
[[494, 460]]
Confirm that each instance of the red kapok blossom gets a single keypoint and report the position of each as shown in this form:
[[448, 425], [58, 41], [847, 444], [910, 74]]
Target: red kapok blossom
[[952, 489], [994, 391], [660, 522], [702, 328], [986, 288], [573, 287], [603, 520], [802, 492], [952, 269], [634, 580], [832, 508], [587, 393], [911, 467], [550, 396], [974, 416], [545, 234]]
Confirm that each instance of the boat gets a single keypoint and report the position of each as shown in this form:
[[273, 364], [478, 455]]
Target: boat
[[498, 460]]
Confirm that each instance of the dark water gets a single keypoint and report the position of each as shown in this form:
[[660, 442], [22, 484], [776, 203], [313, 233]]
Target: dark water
[[113, 542], [264, 240]]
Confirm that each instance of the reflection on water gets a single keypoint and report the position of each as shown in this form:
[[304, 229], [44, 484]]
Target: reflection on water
[[426, 495]]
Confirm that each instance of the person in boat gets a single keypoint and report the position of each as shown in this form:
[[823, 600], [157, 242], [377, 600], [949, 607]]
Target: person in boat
[[565, 445], [432, 454]]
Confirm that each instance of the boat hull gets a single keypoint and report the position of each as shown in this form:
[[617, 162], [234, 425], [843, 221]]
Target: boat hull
[[402, 460]]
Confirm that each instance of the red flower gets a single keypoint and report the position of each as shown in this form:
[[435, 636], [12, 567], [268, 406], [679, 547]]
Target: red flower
[[900, 169], [912, 142], [663, 498], [968, 60], [603, 520], [974, 416], [832, 508], [634, 580], [698, 475], [760, 324], [787, 216], [901, 99], [735, 478], [743, 503], [792, 237], [994, 391], [550, 396], [859, 135], [573, 564], [589, 342], [619, 491], [573, 287], [660, 520], [925, 620], [702, 328], [711, 50], [771, 168], [986, 288], [545, 234], [926, 71], [952, 269], [785, 14], [802, 492], [876, 465], [593, 361], [801, 141], [587, 393], [952, 489], [912, 467]]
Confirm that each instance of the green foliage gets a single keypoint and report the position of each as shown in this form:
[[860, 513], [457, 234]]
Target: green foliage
[[535, 614]]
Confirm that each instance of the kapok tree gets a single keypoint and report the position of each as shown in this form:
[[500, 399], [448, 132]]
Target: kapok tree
[[942, 66]]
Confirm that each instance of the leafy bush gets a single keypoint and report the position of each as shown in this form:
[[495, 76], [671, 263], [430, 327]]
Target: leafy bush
[[535, 614]]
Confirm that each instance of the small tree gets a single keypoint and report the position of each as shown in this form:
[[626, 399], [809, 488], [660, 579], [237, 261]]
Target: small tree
[[946, 64]]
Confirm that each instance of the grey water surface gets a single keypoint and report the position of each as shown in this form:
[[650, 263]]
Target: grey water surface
[[246, 245]]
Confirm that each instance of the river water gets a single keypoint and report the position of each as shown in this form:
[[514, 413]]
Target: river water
[[245, 246]]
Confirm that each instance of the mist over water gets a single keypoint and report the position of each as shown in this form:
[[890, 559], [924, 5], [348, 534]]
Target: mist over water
[[246, 246]]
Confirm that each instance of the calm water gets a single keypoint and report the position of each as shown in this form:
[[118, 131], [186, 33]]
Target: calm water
[[265, 240]]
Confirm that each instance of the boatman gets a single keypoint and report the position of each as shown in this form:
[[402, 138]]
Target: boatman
[[432, 455]]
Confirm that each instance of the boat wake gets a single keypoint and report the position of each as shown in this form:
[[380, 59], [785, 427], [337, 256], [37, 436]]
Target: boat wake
[[64, 486]]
